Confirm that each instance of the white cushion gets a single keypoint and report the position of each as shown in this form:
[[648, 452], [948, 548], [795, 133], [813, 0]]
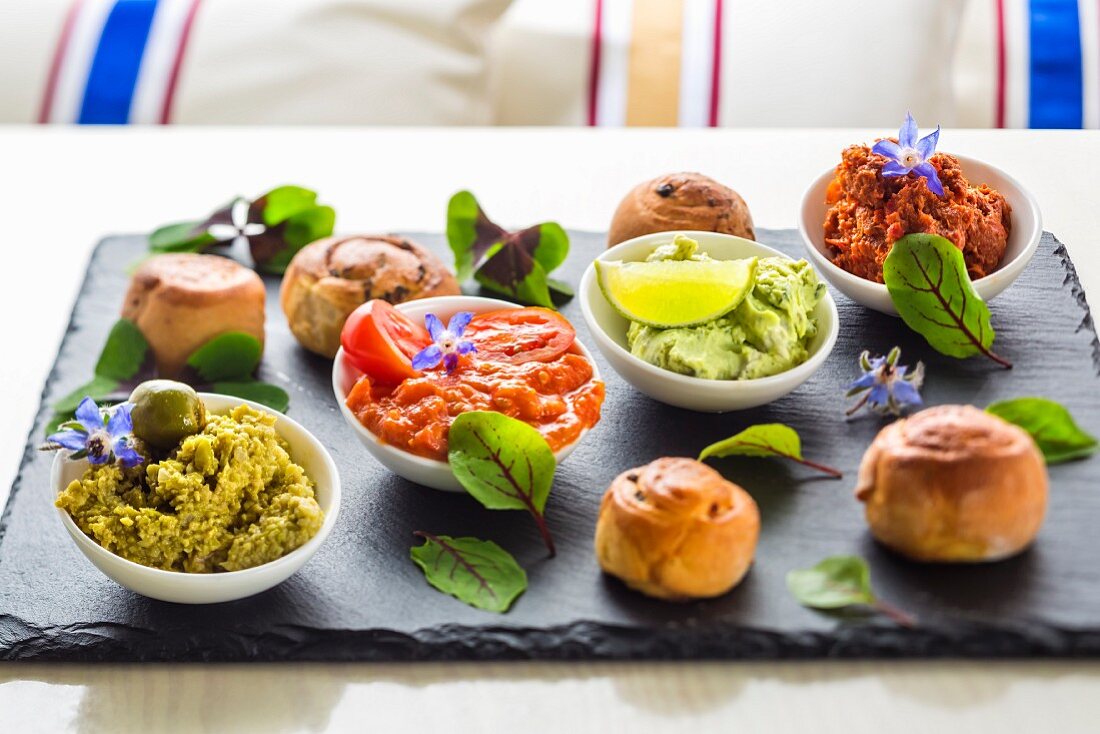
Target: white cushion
[[783, 63], [375, 62]]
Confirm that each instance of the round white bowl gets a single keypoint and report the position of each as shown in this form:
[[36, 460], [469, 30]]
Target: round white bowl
[[1023, 239], [609, 328], [419, 469], [211, 588]]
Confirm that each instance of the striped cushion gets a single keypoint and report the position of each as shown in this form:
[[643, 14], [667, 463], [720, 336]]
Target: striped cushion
[[764, 63], [1030, 63], [262, 61]]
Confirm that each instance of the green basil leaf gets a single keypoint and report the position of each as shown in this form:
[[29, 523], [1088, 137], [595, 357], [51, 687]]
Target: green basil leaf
[[928, 283], [263, 393], [765, 439], [1050, 424], [477, 572], [283, 202], [124, 353], [503, 463], [233, 355], [180, 237], [99, 388], [834, 583]]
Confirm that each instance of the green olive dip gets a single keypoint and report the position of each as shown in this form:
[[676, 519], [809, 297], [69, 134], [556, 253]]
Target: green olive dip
[[225, 499], [767, 333]]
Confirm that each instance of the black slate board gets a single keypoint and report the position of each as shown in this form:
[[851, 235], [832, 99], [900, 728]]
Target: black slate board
[[361, 598]]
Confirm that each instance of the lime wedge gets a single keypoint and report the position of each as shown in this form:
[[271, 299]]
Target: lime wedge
[[672, 293]]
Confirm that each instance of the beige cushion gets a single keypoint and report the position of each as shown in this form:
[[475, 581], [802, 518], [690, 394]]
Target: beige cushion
[[371, 62], [789, 63], [376, 62]]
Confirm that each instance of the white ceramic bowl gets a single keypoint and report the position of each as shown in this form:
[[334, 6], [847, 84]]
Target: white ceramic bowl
[[609, 328], [1023, 239], [418, 469], [210, 588]]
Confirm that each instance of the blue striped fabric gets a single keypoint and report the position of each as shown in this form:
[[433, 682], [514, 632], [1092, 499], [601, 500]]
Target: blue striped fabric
[[1055, 69], [113, 76]]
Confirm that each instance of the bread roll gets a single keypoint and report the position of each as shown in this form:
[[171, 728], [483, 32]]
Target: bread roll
[[329, 278], [953, 483], [680, 201], [182, 301], [675, 529]]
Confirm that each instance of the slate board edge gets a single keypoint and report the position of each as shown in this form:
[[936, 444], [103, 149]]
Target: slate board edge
[[579, 641], [1078, 292]]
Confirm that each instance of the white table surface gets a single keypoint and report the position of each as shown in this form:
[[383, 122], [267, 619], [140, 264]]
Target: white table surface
[[61, 189]]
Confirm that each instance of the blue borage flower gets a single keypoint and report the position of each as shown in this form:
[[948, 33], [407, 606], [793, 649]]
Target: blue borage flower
[[99, 440], [888, 388], [447, 343], [910, 155]]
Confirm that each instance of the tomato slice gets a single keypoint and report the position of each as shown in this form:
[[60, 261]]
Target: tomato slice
[[381, 341], [519, 335]]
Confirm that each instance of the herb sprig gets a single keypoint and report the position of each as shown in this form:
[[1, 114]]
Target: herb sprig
[[514, 264]]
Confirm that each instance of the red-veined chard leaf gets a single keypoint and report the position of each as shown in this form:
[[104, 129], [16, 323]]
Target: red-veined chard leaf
[[928, 283], [503, 463], [765, 439], [477, 572], [838, 582]]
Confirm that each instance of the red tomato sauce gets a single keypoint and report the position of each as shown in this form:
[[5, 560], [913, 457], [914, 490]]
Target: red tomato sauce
[[558, 397]]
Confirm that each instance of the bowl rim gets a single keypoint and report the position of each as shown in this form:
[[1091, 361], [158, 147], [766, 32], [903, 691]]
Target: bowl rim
[[306, 549], [1021, 259], [808, 367], [423, 461]]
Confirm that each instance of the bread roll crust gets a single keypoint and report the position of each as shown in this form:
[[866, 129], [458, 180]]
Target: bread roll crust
[[181, 301], [680, 201], [953, 484], [676, 529], [330, 278]]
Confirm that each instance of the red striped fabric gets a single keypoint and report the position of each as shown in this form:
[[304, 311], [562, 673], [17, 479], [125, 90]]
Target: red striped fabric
[[177, 64], [594, 68], [58, 58]]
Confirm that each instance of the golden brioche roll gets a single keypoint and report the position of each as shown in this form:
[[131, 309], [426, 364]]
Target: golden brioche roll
[[182, 301], [330, 278], [675, 529], [953, 483], [680, 201]]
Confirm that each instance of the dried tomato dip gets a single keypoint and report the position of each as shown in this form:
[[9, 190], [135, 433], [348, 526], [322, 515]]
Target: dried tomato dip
[[867, 212], [527, 365]]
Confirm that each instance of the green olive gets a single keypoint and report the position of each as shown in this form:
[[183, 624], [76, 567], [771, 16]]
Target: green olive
[[166, 412]]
